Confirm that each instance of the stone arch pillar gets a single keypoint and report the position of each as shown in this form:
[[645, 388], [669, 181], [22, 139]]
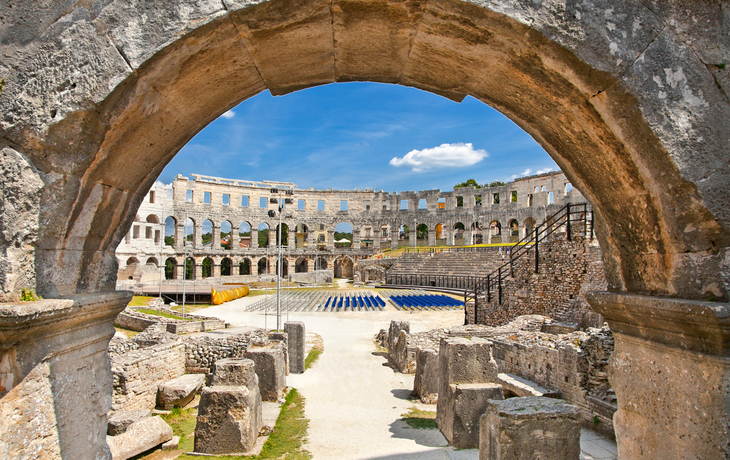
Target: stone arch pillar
[[432, 235]]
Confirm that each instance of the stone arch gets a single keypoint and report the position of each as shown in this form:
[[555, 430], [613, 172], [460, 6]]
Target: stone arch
[[244, 234], [284, 267], [262, 266], [644, 106], [152, 219], [170, 236], [207, 228], [476, 233], [226, 267], [226, 234], [264, 230], [132, 261], [189, 272], [514, 230], [301, 265], [529, 226], [459, 228], [301, 230], [171, 269], [320, 263], [244, 267], [152, 261], [343, 266], [206, 267], [344, 229], [495, 232]]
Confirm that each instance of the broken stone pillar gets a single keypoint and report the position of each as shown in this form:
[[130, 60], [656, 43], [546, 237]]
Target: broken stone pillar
[[270, 369], [529, 427], [296, 339], [426, 382], [467, 383], [394, 332], [230, 410], [669, 370], [55, 376]]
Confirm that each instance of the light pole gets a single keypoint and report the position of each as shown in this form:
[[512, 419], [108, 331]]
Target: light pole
[[271, 213]]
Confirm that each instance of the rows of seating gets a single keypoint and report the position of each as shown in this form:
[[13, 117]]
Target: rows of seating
[[448, 263], [416, 299], [321, 300], [425, 301]]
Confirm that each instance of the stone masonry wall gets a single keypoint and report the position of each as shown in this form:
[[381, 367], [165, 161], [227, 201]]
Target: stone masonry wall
[[567, 271], [575, 364]]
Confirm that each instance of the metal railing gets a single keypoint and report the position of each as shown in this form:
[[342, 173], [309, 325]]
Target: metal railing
[[491, 286], [432, 280]]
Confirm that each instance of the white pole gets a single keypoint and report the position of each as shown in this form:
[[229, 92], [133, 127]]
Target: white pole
[[266, 283], [162, 268], [288, 274], [278, 274], [185, 259]]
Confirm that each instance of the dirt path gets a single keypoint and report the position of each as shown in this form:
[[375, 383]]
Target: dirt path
[[353, 400]]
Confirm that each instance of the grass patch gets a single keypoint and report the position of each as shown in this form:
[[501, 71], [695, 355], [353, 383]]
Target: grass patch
[[182, 423], [312, 357], [423, 419], [190, 308], [317, 349], [139, 301], [150, 311]]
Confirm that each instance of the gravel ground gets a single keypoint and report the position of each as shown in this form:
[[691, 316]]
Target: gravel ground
[[354, 400]]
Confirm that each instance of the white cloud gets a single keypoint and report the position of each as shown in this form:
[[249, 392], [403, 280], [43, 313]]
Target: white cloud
[[456, 155], [526, 172], [543, 171], [228, 115], [160, 184]]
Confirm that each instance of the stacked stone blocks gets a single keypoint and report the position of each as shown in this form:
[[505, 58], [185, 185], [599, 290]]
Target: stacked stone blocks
[[230, 410], [467, 383]]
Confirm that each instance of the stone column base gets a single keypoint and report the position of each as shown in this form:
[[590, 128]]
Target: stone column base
[[670, 371], [55, 376]]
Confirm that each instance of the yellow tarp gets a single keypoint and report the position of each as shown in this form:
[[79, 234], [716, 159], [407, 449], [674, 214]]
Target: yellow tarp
[[228, 294]]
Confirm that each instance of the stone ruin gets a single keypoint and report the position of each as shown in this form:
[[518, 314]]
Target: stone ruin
[[629, 97], [480, 403], [531, 362], [157, 368]]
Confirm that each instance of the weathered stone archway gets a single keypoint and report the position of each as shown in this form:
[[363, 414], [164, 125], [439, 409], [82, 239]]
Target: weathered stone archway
[[97, 100]]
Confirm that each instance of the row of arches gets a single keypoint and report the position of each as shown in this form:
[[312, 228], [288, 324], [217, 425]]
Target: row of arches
[[343, 235], [207, 267]]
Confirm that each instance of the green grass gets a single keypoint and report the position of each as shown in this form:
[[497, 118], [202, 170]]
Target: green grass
[[311, 358], [150, 311], [139, 301], [416, 418], [285, 441]]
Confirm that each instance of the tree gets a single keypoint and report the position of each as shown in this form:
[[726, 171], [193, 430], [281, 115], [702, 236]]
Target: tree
[[169, 268], [169, 241], [496, 183], [207, 268], [206, 238], [422, 231], [189, 268], [468, 183], [263, 238]]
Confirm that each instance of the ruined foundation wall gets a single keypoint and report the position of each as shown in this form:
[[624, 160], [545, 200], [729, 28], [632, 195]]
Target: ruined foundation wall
[[574, 364]]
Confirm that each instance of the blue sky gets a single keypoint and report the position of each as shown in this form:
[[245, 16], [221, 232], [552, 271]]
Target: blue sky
[[358, 135]]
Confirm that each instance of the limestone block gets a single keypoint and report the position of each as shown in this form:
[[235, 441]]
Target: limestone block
[[465, 360], [459, 410], [528, 428], [426, 382], [295, 331], [139, 437], [229, 420], [172, 444], [180, 391], [234, 372], [119, 421], [270, 369]]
